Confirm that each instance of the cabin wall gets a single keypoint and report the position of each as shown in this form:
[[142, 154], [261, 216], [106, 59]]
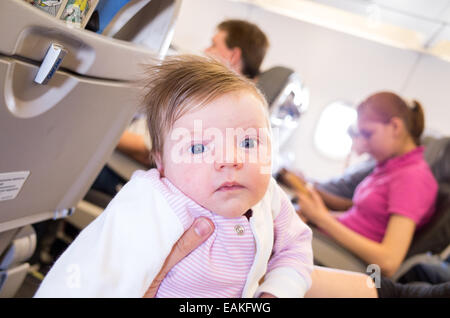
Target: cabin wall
[[334, 66]]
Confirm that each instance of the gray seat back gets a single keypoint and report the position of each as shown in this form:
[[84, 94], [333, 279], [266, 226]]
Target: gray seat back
[[287, 97], [272, 82], [56, 137], [435, 235]]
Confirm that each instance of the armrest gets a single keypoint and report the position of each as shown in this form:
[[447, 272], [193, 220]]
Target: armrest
[[330, 254], [123, 165]]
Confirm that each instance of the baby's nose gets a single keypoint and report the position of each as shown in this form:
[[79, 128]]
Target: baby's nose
[[231, 158], [223, 165]]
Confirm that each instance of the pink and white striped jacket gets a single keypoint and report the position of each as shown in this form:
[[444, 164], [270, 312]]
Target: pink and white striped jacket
[[119, 254]]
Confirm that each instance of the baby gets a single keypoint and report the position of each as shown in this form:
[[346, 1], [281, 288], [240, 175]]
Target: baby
[[211, 142]]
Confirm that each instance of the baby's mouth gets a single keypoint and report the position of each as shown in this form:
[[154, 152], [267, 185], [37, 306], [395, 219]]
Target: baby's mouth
[[229, 186]]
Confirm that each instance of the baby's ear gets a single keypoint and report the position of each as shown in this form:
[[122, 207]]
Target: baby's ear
[[158, 162]]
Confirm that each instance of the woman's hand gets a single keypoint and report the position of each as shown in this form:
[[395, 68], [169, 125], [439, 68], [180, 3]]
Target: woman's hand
[[312, 206], [199, 231]]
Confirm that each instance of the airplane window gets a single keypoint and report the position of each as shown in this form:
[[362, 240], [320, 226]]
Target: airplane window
[[331, 137]]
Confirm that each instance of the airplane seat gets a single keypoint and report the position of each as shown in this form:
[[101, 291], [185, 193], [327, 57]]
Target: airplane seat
[[435, 236], [55, 79], [16, 247], [98, 198], [272, 81], [432, 239], [288, 99], [95, 201]]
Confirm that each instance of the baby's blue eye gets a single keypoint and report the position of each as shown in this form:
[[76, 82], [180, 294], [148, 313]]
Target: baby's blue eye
[[197, 148], [248, 143]]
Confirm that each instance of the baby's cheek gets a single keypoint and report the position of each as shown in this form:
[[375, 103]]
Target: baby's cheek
[[264, 183], [193, 179], [260, 178]]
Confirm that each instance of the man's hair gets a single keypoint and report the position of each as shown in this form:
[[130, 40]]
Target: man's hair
[[183, 83], [250, 39]]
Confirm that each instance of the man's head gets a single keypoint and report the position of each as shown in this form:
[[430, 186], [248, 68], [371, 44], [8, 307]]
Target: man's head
[[240, 44], [210, 133]]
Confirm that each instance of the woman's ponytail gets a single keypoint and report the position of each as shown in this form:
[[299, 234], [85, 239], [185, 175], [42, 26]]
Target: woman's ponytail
[[417, 121], [383, 106]]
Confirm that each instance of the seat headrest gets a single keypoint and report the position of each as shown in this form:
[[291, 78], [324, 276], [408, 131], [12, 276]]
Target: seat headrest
[[272, 82], [434, 237], [437, 154]]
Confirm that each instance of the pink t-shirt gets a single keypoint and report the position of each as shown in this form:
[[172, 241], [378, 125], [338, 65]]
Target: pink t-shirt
[[402, 185]]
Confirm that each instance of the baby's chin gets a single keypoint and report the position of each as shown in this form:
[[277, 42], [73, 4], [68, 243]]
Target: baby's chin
[[230, 212], [231, 215]]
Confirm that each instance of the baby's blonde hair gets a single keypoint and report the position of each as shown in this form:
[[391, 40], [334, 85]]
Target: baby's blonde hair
[[182, 83]]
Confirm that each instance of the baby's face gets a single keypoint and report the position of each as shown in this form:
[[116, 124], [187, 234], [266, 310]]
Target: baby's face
[[220, 155]]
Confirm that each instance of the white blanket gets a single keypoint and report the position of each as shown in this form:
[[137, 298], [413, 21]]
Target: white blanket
[[116, 255]]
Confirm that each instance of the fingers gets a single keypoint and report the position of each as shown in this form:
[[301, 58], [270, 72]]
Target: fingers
[[314, 194], [317, 198], [294, 182], [300, 175], [305, 198], [310, 195], [307, 203], [199, 231]]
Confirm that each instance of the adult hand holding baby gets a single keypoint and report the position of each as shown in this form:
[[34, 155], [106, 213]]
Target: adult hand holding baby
[[199, 231]]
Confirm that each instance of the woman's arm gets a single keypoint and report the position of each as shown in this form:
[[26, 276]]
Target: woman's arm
[[388, 254], [298, 183], [334, 202]]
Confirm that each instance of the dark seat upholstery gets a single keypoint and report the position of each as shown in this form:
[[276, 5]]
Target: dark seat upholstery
[[435, 235], [272, 81]]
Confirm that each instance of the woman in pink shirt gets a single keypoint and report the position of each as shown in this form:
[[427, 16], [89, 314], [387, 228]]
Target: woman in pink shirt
[[397, 198]]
